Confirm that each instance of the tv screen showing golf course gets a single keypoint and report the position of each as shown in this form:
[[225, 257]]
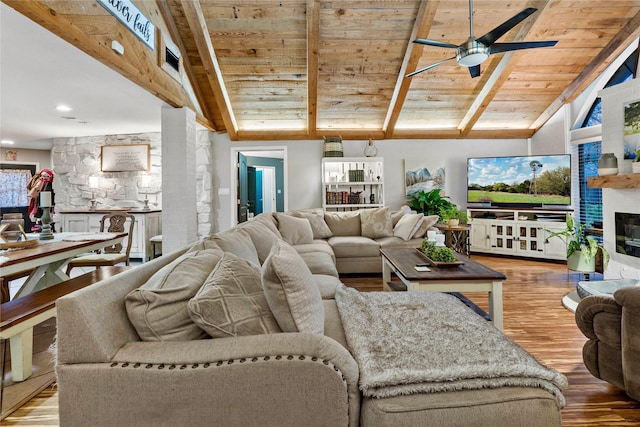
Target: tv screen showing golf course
[[526, 181]]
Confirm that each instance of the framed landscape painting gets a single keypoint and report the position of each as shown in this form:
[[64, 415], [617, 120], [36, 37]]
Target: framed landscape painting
[[631, 129], [422, 175]]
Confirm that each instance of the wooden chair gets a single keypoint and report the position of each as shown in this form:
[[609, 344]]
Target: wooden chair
[[110, 255]]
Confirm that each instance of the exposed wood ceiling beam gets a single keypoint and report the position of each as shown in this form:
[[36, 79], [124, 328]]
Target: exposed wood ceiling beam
[[499, 74], [601, 61], [161, 85], [165, 11], [198, 26], [313, 31], [421, 27]]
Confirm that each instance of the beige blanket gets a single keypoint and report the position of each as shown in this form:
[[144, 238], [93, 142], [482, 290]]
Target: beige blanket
[[415, 342]]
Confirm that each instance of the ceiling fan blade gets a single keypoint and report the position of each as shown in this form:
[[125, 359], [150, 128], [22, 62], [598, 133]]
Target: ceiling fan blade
[[474, 71], [429, 67], [493, 35], [505, 47], [435, 43]]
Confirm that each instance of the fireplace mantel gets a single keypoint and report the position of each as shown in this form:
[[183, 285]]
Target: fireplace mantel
[[630, 181]]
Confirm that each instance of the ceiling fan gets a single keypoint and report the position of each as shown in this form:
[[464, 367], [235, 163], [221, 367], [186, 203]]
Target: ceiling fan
[[475, 51]]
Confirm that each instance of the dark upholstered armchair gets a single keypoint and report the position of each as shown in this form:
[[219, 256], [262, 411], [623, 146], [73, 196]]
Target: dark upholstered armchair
[[612, 325]]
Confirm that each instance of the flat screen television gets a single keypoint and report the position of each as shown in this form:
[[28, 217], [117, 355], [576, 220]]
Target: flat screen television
[[519, 181]]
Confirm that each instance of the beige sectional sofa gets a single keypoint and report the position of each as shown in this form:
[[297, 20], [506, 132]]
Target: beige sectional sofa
[[245, 329], [352, 238]]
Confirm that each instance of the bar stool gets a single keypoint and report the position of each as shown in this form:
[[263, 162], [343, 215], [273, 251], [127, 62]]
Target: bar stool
[[156, 240]]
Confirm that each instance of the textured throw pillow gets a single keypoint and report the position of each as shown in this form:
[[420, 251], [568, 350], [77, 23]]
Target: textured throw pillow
[[318, 225], [239, 243], [428, 222], [291, 291], [231, 302], [376, 223], [262, 234], [158, 309], [295, 231], [343, 223], [407, 226]]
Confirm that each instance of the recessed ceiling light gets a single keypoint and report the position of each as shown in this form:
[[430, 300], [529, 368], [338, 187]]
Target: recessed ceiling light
[[7, 142], [63, 108]]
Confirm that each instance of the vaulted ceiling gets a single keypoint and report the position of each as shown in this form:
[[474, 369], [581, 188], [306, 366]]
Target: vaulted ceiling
[[304, 69]]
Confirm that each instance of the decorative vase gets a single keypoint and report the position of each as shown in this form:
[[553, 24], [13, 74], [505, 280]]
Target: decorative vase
[[576, 262], [635, 167], [370, 150], [608, 165], [453, 222]]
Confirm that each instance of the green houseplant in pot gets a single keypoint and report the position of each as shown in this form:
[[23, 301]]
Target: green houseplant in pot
[[429, 202], [635, 165], [581, 248], [452, 216]]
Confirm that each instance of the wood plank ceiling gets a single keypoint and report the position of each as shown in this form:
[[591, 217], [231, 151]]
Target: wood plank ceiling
[[303, 69]]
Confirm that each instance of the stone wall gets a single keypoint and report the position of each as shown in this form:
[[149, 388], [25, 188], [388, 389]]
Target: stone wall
[[76, 159]]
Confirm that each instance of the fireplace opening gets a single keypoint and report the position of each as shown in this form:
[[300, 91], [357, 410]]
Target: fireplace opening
[[628, 233]]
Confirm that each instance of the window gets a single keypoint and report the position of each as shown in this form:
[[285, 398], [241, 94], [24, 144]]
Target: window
[[590, 198], [13, 187], [588, 154]]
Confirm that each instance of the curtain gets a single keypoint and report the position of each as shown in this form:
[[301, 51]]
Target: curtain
[[13, 187]]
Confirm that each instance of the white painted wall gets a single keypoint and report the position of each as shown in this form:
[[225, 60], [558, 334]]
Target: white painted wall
[[305, 168], [618, 200]]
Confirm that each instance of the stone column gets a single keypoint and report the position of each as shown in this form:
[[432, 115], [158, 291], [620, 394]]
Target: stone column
[[179, 216]]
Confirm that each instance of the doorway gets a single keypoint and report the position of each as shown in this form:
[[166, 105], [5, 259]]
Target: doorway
[[259, 182]]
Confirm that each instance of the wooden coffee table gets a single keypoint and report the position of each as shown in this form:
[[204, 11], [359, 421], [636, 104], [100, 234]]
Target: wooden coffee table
[[468, 277]]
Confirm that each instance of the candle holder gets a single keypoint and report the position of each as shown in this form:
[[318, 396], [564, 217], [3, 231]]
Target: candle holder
[[45, 232], [146, 202]]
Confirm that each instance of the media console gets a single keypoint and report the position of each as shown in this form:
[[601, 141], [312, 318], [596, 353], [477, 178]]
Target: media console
[[516, 231]]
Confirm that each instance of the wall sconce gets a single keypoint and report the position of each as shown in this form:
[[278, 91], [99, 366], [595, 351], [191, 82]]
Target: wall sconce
[[94, 183], [145, 182]]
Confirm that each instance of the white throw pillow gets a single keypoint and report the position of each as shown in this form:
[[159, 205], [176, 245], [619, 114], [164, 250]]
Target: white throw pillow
[[428, 222], [407, 226], [291, 291]]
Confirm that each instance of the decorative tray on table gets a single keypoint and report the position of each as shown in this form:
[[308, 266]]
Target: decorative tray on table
[[22, 244], [456, 263]]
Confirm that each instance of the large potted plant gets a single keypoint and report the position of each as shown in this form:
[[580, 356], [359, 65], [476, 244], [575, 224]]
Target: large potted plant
[[429, 202], [581, 248]]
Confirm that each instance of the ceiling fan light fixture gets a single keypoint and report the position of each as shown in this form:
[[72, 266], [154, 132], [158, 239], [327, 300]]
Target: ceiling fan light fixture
[[472, 53]]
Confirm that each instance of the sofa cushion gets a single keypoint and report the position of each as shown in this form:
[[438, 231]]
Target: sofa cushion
[[318, 225], [239, 243], [295, 231], [427, 223], [231, 302], [291, 291], [316, 246], [407, 226], [343, 223], [320, 263], [354, 246], [158, 309], [395, 216], [396, 242], [263, 235], [376, 223], [327, 286]]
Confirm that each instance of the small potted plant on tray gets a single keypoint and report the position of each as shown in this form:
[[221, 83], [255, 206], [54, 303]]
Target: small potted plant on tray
[[581, 248]]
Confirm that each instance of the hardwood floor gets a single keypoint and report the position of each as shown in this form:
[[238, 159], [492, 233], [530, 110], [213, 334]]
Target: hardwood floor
[[534, 317]]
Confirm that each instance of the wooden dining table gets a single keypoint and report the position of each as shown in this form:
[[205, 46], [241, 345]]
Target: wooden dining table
[[48, 258]]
